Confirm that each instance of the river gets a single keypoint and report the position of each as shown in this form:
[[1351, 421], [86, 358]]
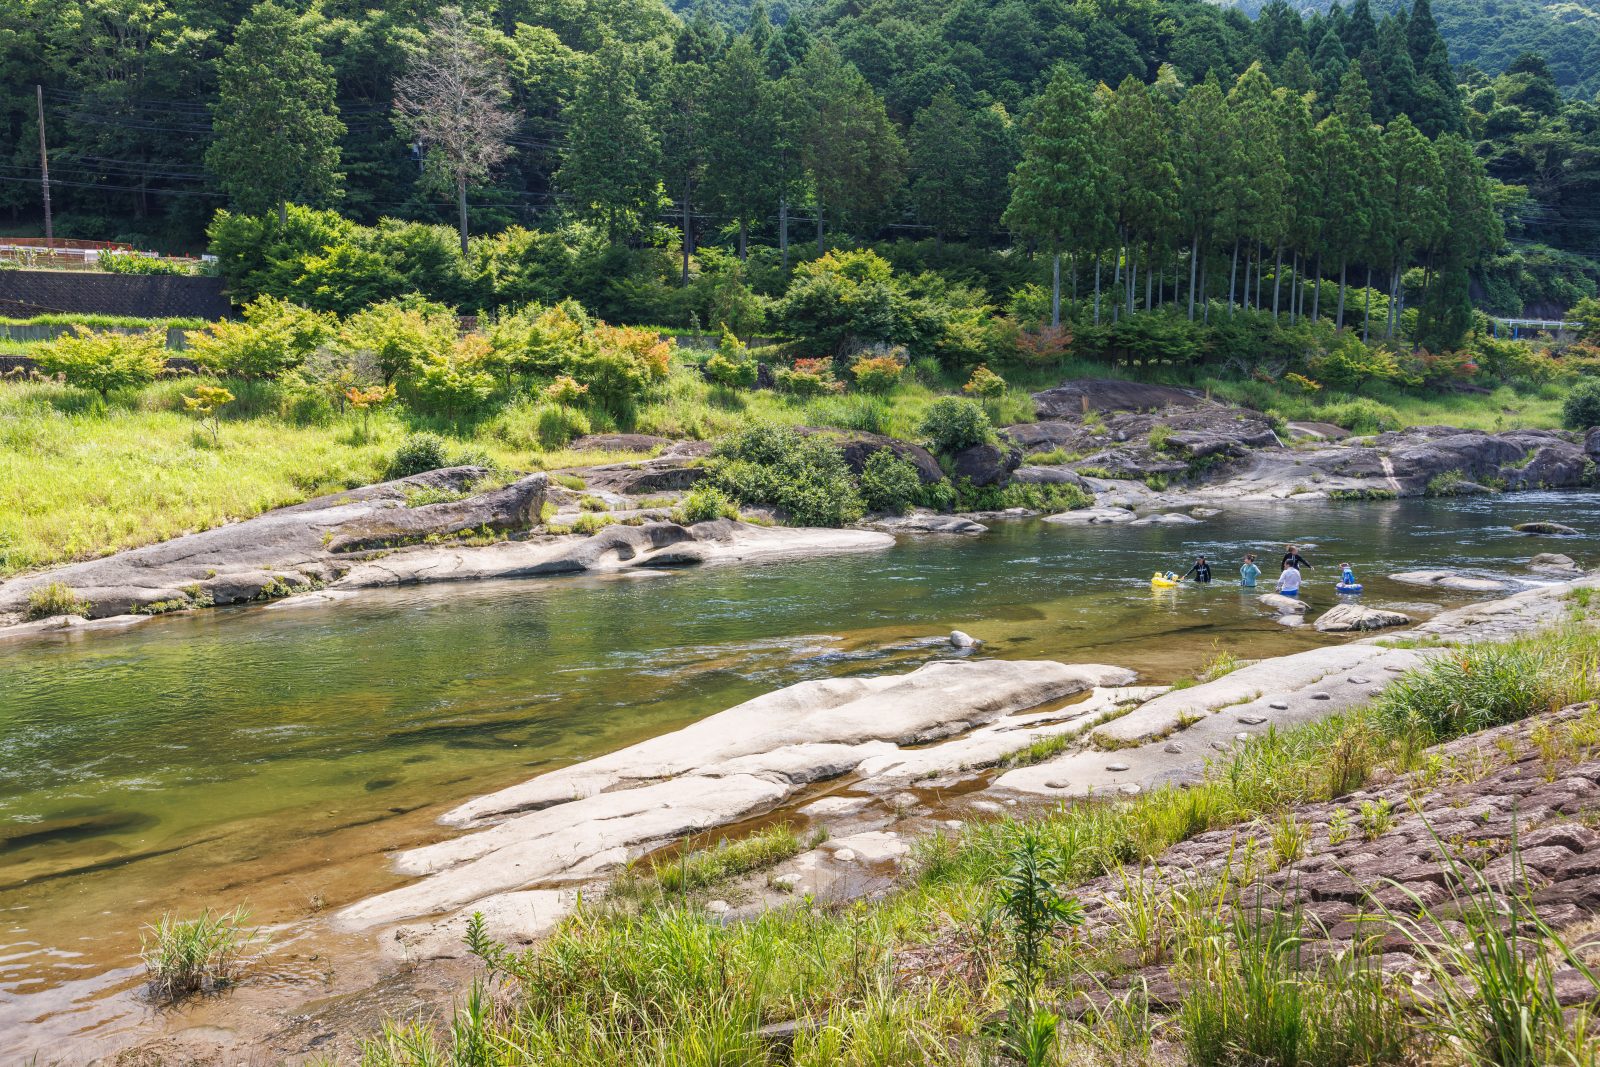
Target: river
[[269, 757]]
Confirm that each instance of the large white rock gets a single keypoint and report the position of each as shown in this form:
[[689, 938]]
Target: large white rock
[[1342, 618], [1283, 605], [1451, 580], [576, 822]]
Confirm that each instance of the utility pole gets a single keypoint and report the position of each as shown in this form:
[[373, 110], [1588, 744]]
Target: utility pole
[[44, 165]]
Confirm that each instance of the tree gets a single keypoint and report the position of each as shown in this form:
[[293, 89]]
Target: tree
[[944, 162], [611, 163], [1411, 196], [1058, 192], [1204, 148], [453, 100], [739, 139], [1143, 181], [850, 148], [1474, 227], [1261, 179], [1347, 138], [683, 133], [276, 125]]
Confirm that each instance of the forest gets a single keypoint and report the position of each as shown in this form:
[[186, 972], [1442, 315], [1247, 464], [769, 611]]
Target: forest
[[1330, 142]]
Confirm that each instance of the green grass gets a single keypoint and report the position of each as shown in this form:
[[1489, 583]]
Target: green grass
[[183, 956], [106, 321], [728, 859], [80, 478], [55, 598], [1383, 407]]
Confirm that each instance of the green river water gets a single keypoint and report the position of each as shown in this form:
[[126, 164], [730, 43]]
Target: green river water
[[269, 757]]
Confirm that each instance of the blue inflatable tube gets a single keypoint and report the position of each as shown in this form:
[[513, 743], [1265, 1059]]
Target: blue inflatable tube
[[1344, 588]]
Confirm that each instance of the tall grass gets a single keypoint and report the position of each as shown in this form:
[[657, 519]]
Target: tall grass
[[184, 956], [728, 859]]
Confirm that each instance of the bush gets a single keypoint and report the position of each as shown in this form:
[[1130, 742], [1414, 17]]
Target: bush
[[1362, 416], [876, 374], [104, 361], [806, 477], [418, 454], [55, 598], [565, 390], [1581, 409], [954, 423], [558, 425], [889, 483], [808, 378], [730, 371], [453, 383], [707, 502], [984, 383], [133, 263], [274, 337], [396, 338]]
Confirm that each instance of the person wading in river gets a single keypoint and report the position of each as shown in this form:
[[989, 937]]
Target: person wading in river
[[1201, 571], [1293, 558]]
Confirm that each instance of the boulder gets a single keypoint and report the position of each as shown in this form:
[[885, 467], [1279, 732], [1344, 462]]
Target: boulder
[[1555, 565], [620, 442], [1342, 618], [1093, 517], [645, 478], [1166, 518], [1047, 476], [1550, 529], [1068, 400], [1451, 580], [859, 447], [1591, 443], [962, 639], [1283, 605], [929, 522], [514, 507], [985, 465]]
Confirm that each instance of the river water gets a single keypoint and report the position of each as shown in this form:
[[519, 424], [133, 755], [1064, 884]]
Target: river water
[[268, 757]]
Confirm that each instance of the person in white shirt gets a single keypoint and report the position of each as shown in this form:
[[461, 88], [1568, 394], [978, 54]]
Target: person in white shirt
[[1289, 581]]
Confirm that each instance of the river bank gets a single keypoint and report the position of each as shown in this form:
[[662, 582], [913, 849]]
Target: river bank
[[812, 757]]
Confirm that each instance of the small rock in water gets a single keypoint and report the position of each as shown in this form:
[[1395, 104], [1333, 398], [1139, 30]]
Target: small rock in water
[[1278, 705], [845, 855], [1116, 766], [1320, 696], [1251, 720], [984, 805], [1128, 789], [791, 880], [1359, 681], [1291, 621], [1554, 528], [1174, 747], [960, 639], [1054, 783]]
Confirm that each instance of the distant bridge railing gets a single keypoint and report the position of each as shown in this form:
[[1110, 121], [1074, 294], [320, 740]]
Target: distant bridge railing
[[1516, 326]]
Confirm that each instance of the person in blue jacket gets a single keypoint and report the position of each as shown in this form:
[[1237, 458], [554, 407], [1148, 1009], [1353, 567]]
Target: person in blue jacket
[[1249, 572]]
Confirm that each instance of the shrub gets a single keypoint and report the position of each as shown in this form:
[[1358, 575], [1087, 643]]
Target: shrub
[[1362, 416], [55, 598], [275, 336], [809, 377], [707, 502], [954, 423], [1581, 409], [984, 383], [565, 390], [734, 372], [133, 263], [1160, 436], [876, 374], [452, 383], [104, 361], [396, 337], [186, 955], [418, 454], [207, 402], [558, 425], [806, 477], [889, 483]]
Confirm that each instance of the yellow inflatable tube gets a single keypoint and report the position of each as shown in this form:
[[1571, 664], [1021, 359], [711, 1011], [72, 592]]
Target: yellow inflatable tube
[[1161, 581]]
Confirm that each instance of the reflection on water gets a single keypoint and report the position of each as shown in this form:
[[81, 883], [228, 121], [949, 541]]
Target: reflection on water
[[265, 757]]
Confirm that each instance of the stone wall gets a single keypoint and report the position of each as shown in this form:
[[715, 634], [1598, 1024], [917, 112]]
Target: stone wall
[[24, 293]]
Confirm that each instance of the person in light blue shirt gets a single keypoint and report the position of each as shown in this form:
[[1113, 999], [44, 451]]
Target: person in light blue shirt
[[1249, 572], [1346, 575]]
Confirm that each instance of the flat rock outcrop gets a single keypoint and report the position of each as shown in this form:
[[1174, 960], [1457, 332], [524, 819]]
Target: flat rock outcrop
[[290, 548], [1466, 583], [581, 820], [1555, 564]]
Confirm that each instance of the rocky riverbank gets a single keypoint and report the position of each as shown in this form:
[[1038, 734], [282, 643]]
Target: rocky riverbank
[[888, 742]]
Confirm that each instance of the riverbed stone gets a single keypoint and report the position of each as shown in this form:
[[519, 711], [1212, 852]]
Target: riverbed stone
[[1342, 618], [1549, 529], [1452, 580], [986, 464], [962, 639], [1283, 605], [1555, 564], [1097, 516]]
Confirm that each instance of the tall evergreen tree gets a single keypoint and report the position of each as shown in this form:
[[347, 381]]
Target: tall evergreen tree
[[1144, 181], [611, 162], [1411, 195], [276, 124], [1359, 32], [1473, 229], [1059, 190], [740, 139], [942, 151], [1206, 149]]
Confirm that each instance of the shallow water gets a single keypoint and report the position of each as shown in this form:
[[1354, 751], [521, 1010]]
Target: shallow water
[[268, 757]]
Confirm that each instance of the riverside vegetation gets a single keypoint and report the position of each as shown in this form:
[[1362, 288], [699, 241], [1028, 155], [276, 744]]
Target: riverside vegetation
[[106, 452], [990, 922]]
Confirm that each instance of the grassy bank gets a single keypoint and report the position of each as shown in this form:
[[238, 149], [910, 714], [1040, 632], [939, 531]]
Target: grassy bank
[[82, 476], [970, 961]]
